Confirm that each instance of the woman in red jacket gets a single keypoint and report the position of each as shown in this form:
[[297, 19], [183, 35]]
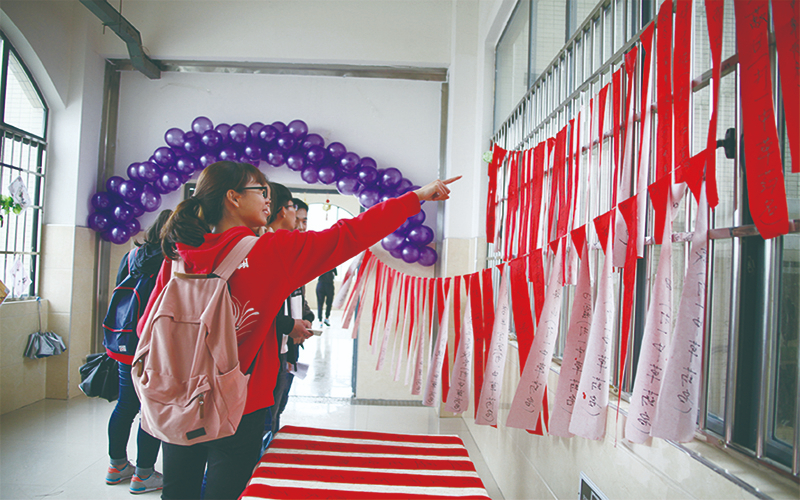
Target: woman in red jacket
[[231, 201]]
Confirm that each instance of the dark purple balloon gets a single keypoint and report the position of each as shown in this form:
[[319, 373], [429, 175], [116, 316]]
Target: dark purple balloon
[[130, 190], [252, 152], [279, 126], [420, 235], [349, 162], [170, 180], [275, 157], [417, 219], [316, 155], [229, 154], [312, 140], [212, 140], [296, 162], [206, 160], [390, 179], [150, 199], [239, 133], [348, 185], [327, 174], [255, 128], [193, 144], [133, 227], [286, 141], [336, 150], [310, 175], [99, 221], [101, 201], [267, 135], [201, 124], [186, 165], [149, 171], [404, 186], [410, 253], [164, 157], [118, 234], [133, 171], [222, 129], [113, 182], [392, 242], [297, 128], [159, 187], [174, 137], [369, 162], [369, 197], [427, 257], [367, 175], [122, 213], [397, 253]]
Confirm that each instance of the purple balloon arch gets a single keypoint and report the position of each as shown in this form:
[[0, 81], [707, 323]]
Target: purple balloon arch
[[117, 209]]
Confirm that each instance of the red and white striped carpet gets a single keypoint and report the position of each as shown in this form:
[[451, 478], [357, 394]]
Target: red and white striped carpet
[[304, 462]]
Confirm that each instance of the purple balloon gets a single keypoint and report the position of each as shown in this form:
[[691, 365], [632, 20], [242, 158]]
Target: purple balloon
[[316, 155], [159, 187], [367, 175], [222, 129], [186, 165], [193, 144], [410, 253], [268, 134], [369, 197], [255, 128], [113, 182], [252, 152], [130, 190], [99, 222], [275, 157], [170, 180], [391, 178], [404, 186], [150, 199], [174, 137], [336, 150], [417, 219], [206, 160], [297, 128], [420, 235], [427, 257], [310, 175], [327, 174], [101, 202], [312, 140], [118, 234], [122, 213], [348, 185], [133, 227], [164, 157], [239, 133], [133, 171], [286, 141], [392, 242], [296, 162], [369, 162], [397, 253], [349, 162], [149, 171], [201, 124], [212, 140], [279, 126], [229, 154]]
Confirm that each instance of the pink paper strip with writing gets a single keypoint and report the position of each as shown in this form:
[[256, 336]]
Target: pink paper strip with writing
[[435, 370], [458, 396], [678, 401], [589, 413], [388, 328], [579, 323], [496, 364], [527, 402]]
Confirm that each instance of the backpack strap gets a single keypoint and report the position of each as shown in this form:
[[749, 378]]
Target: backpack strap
[[235, 257]]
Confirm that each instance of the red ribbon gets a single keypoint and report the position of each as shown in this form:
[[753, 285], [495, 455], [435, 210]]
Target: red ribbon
[[536, 186], [476, 304], [513, 197], [376, 298], [715, 11], [521, 306], [524, 241], [488, 310], [664, 90], [457, 326], [561, 171], [616, 103], [536, 276], [765, 182], [659, 197], [681, 79], [491, 201], [786, 17], [628, 209]]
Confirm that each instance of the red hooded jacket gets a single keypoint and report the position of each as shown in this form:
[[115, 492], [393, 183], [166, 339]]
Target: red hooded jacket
[[278, 264]]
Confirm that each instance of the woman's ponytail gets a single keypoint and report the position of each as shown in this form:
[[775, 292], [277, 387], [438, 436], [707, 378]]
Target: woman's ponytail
[[185, 225]]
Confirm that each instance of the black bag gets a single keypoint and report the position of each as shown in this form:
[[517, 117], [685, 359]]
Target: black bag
[[100, 377], [43, 344]]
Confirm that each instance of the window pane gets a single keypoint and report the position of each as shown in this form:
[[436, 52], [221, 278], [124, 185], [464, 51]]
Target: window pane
[[789, 326], [549, 34], [23, 107], [719, 327], [511, 64]]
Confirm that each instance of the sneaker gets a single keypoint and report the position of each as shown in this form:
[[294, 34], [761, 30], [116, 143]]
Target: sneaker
[[153, 482], [116, 476], [327, 322]]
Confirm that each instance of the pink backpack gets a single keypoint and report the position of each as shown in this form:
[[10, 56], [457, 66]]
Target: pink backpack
[[186, 367]]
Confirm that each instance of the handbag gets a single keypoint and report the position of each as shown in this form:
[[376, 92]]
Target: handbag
[[43, 344], [100, 377]]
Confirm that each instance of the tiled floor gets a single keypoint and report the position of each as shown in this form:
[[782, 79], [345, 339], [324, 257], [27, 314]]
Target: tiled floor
[[58, 449]]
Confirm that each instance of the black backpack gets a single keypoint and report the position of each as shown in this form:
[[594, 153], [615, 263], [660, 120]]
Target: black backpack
[[128, 302]]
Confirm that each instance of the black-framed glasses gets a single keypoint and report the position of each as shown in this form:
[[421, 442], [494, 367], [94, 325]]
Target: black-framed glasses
[[264, 190]]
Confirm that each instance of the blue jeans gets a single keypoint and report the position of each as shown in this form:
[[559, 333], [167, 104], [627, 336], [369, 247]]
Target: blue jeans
[[119, 425]]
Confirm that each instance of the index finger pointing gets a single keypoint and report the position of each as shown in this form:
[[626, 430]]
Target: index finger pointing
[[451, 180]]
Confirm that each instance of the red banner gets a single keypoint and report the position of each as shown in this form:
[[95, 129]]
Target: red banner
[[786, 18], [681, 79], [664, 90], [539, 154], [498, 155], [715, 12]]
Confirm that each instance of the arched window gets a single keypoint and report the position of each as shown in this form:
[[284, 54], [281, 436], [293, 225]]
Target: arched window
[[23, 127]]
